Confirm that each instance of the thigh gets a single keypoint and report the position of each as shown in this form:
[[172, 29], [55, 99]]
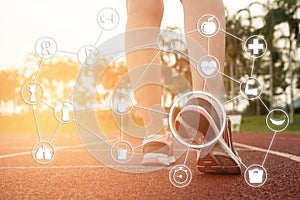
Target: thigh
[[144, 13]]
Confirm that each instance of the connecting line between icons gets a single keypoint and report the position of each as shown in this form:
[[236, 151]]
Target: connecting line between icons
[[232, 35], [98, 39], [124, 52], [189, 58], [145, 108], [95, 108], [36, 123], [229, 77], [67, 52], [232, 154], [204, 85], [55, 132], [121, 127], [264, 104], [252, 67], [226, 102], [208, 46], [275, 133], [153, 140], [39, 68], [47, 104], [72, 94], [186, 155], [97, 136], [190, 32], [146, 69]]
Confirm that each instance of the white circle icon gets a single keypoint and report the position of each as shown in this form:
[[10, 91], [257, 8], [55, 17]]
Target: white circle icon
[[45, 47], [251, 88], [180, 176], [108, 18], [121, 103], [208, 66], [43, 152], [88, 55], [200, 122], [64, 112], [277, 120], [255, 175], [255, 46], [32, 92], [208, 25], [168, 40]]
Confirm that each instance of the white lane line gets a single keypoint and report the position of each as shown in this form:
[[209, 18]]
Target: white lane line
[[277, 153], [56, 149], [87, 166], [285, 155], [15, 154]]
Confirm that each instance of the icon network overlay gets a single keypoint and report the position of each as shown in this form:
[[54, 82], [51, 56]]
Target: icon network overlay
[[122, 152]]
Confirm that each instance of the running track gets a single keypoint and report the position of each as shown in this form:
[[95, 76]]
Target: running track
[[74, 174]]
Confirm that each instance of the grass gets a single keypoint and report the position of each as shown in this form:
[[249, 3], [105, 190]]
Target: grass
[[257, 124], [47, 124]]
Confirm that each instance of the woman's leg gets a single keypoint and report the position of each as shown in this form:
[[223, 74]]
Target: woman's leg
[[143, 14], [193, 10], [219, 159]]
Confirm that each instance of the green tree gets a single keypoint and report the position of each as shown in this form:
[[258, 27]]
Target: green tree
[[283, 63], [240, 26]]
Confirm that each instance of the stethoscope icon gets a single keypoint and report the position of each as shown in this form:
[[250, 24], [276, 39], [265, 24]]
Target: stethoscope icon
[[46, 45]]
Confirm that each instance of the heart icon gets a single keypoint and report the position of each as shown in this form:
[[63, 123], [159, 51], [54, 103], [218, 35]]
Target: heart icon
[[208, 67]]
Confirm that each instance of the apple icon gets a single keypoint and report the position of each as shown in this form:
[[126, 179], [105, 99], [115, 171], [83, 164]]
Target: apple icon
[[209, 27]]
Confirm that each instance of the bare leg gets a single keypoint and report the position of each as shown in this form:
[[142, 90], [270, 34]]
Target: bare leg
[[224, 159], [143, 14], [193, 10]]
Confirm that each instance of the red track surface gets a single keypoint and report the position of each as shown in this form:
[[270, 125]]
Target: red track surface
[[74, 174]]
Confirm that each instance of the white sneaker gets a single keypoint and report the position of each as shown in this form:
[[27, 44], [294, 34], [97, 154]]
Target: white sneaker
[[157, 150]]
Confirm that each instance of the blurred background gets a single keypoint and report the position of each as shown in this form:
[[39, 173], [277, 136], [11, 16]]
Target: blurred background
[[22, 23], [76, 174]]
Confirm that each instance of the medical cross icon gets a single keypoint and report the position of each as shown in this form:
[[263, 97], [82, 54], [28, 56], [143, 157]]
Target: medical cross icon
[[256, 46]]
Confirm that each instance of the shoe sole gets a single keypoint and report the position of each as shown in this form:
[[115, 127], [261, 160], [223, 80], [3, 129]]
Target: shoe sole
[[218, 164], [157, 159]]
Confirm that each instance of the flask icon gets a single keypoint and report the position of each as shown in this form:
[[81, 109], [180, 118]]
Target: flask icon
[[65, 113]]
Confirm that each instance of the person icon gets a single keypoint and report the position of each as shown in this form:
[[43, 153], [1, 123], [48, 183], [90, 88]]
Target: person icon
[[46, 47]]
